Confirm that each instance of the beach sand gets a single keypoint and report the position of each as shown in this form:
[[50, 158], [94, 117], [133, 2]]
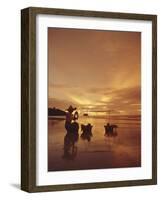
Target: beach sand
[[122, 149]]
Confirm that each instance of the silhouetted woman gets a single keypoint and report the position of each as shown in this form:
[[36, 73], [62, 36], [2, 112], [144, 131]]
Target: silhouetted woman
[[70, 117]]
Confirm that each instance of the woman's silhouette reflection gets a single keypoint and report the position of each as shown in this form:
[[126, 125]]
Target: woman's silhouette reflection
[[70, 149]]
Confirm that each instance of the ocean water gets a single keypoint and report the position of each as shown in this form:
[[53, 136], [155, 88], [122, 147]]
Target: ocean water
[[99, 151]]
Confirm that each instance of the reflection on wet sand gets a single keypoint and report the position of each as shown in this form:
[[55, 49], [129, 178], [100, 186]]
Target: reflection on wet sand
[[98, 147], [70, 148]]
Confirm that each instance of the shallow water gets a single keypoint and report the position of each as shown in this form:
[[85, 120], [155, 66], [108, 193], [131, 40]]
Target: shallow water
[[121, 149]]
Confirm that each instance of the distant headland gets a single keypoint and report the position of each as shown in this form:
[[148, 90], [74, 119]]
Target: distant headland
[[56, 112]]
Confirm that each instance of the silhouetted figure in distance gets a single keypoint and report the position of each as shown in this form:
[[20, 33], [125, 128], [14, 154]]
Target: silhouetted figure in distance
[[110, 130], [86, 132]]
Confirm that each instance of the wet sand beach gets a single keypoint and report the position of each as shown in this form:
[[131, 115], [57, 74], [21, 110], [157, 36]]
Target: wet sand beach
[[120, 149]]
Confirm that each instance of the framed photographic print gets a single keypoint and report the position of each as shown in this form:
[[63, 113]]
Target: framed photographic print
[[89, 99]]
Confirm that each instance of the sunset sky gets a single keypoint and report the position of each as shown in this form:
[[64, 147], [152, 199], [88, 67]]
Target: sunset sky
[[95, 71]]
